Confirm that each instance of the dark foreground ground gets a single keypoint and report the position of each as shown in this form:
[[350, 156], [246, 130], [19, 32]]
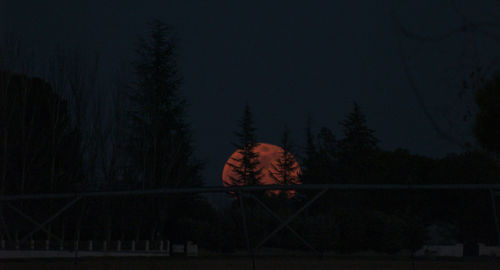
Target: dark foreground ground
[[242, 263]]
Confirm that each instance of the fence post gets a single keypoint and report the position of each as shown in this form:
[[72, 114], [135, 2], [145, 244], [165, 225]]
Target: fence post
[[147, 245], [119, 245], [90, 245], [133, 245], [161, 245], [16, 237], [47, 244], [104, 245], [32, 244]]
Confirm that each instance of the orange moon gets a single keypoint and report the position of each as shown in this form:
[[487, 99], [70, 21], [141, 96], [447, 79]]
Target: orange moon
[[268, 154]]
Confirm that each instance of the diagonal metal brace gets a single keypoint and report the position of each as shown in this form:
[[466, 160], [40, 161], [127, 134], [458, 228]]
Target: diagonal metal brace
[[291, 218], [287, 226], [51, 218], [4, 224], [17, 210]]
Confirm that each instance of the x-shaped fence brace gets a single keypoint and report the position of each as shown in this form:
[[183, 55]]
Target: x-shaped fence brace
[[283, 223], [292, 217], [40, 226]]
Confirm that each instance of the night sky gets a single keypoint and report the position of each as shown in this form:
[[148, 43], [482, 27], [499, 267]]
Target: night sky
[[287, 59]]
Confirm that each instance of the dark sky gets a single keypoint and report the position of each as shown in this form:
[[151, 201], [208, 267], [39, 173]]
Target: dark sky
[[286, 58]]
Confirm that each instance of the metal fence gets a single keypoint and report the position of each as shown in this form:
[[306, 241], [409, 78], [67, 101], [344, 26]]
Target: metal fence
[[244, 194]]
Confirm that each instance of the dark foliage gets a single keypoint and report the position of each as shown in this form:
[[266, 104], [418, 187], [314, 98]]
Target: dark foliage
[[246, 166], [159, 145], [356, 149], [40, 150], [309, 159], [284, 169], [487, 122]]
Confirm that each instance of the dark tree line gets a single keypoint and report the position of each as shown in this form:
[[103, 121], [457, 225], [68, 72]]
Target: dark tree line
[[391, 220]]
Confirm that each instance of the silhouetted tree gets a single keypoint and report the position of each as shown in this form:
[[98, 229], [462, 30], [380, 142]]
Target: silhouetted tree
[[320, 156], [357, 148], [285, 168], [309, 160], [159, 146], [246, 166], [39, 147], [487, 122], [327, 156], [487, 134]]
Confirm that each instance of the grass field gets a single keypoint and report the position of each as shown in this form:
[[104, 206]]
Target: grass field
[[242, 263]]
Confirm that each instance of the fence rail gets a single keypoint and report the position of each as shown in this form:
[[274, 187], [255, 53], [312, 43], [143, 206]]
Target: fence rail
[[219, 189]]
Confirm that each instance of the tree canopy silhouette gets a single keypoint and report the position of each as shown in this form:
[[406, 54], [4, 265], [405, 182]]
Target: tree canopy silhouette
[[40, 149], [285, 167], [487, 122], [310, 156], [246, 167], [284, 170], [159, 144], [357, 147]]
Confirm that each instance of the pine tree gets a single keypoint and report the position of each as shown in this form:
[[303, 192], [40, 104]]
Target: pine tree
[[160, 143], [357, 136], [284, 171], [309, 161], [357, 148], [327, 156], [246, 166], [327, 142]]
